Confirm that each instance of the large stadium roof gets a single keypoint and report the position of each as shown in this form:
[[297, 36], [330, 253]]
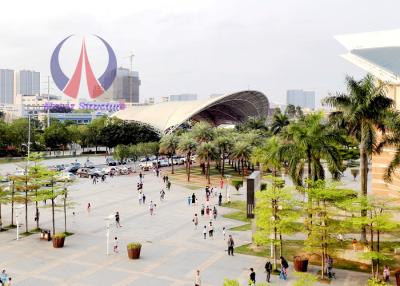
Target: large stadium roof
[[375, 52], [225, 109]]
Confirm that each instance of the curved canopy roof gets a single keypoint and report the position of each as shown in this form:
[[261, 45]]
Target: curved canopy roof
[[225, 109]]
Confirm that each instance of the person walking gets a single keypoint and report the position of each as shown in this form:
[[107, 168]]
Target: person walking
[[211, 230], [140, 197], [162, 195], [193, 199], [163, 178], [3, 277], [284, 267], [197, 279], [143, 198], [88, 207], [117, 222], [195, 221], [215, 213], [169, 185], [189, 200], [116, 245], [268, 269], [220, 199], [210, 213], [252, 280], [231, 244], [224, 232], [205, 232], [151, 207], [386, 273], [202, 210], [94, 180]]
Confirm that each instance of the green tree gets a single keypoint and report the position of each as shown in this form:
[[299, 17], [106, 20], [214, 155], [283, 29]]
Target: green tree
[[276, 214], [290, 111], [308, 141], [57, 135], [206, 151], [187, 145], [241, 152], [279, 121], [122, 152], [224, 143], [363, 111], [325, 200], [168, 146]]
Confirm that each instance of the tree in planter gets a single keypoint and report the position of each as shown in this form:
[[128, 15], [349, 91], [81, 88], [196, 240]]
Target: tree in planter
[[24, 185], [379, 220], [50, 192], [323, 229], [237, 184], [276, 213], [168, 146], [354, 173]]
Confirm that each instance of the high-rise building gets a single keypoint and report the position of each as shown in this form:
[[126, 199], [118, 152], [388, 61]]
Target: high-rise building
[[183, 97], [124, 88], [28, 82], [6, 86], [302, 98]]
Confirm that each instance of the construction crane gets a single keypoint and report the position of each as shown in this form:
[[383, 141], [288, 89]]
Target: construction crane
[[130, 57]]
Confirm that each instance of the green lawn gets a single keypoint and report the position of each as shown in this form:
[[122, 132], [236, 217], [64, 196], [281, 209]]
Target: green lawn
[[244, 227], [239, 215]]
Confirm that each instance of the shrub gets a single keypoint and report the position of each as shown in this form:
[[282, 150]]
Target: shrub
[[134, 245], [231, 282], [237, 184], [59, 235]]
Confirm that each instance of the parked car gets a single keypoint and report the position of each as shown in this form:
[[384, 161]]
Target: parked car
[[95, 172], [108, 170], [88, 164], [66, 176], [111, 162], [73, 168], [83, 173]]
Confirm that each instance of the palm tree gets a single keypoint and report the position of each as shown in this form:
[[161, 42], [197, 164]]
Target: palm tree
[[224, 144], [241, 152], [203, 132], [187, 145], [268, 154], [168, 146], [279, 121], [206, 151], [307, 142], [363, 111]]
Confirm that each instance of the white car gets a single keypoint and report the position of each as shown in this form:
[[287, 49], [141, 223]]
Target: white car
[[108, 170], [66, 176]]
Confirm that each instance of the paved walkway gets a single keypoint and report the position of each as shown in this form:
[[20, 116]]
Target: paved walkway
[[172, 250]]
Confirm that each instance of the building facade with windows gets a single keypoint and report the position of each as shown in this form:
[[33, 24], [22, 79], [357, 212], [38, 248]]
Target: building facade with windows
[[7, 86]]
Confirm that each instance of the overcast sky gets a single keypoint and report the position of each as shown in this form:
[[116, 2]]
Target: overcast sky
[[201, 47]]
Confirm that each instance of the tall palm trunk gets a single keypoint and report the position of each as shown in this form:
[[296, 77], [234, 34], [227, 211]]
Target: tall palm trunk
[[223, 165], [172, 165], [65, 210], [188, 166], [208, 170], [242, 168], [37, 210], [364, 187], [12, 204]]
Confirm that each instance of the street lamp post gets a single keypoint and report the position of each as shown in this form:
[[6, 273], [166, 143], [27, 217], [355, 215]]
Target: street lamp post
[[108, 232]]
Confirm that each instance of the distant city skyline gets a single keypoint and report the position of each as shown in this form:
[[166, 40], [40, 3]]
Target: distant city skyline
[[202, 46]]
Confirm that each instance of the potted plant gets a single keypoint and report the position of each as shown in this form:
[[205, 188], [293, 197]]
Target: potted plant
[[134, 250], [300, 264], [237, 184], [58, 240]]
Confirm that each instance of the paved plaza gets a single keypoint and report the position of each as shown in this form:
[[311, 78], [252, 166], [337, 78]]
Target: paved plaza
[[172, 249]]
